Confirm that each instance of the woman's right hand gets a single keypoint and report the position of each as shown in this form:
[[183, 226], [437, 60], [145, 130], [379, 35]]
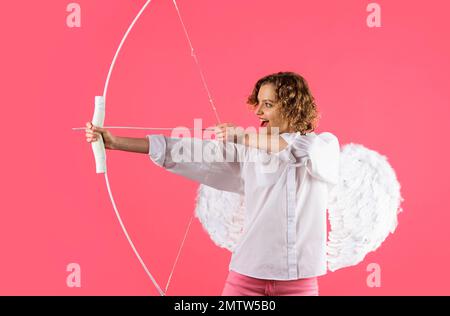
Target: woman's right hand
[[94, 132]]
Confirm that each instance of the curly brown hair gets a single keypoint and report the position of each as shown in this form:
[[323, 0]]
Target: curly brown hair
[[298, 106]]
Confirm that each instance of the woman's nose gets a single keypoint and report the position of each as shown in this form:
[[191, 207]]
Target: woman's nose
[[258, 110]]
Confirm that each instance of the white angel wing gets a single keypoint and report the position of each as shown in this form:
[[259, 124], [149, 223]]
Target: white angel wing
[[363, 207], [221, 214]]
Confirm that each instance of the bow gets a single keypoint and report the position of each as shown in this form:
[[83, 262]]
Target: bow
[[100, 152]]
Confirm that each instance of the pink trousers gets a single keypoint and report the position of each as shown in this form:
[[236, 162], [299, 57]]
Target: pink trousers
[[241, 285]]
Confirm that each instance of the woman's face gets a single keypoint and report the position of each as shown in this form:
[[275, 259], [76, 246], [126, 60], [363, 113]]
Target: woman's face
[[268, 109]]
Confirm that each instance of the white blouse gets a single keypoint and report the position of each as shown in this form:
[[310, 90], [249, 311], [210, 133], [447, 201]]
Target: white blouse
[[285, 229]]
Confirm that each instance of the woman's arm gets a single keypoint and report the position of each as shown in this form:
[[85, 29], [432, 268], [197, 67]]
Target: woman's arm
[[137, 145], [269, 142], [222, 175]]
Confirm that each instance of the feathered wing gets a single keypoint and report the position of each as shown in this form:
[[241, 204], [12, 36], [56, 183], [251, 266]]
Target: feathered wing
[[362, 207], [221, 214]]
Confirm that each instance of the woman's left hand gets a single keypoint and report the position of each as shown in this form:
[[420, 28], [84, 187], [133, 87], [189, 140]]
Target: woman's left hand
[[228, 132]]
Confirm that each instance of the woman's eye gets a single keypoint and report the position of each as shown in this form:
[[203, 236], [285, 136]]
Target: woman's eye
[[268, 105]]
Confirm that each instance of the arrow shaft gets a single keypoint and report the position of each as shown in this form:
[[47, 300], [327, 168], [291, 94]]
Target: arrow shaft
[[145, 128]]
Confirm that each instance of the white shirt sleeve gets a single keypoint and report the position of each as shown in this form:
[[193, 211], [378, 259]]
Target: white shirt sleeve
[[322, 151], [221, 171]]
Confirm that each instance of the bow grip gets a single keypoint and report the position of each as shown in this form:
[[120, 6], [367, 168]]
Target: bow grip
[[98, 147]]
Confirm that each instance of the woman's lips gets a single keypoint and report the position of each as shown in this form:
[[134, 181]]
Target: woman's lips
[[264, 123]]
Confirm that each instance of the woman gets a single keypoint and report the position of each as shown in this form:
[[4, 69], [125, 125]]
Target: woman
[[284, 171]]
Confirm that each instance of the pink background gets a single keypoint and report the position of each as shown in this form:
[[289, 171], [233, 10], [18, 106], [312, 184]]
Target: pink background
[[386, 88]]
